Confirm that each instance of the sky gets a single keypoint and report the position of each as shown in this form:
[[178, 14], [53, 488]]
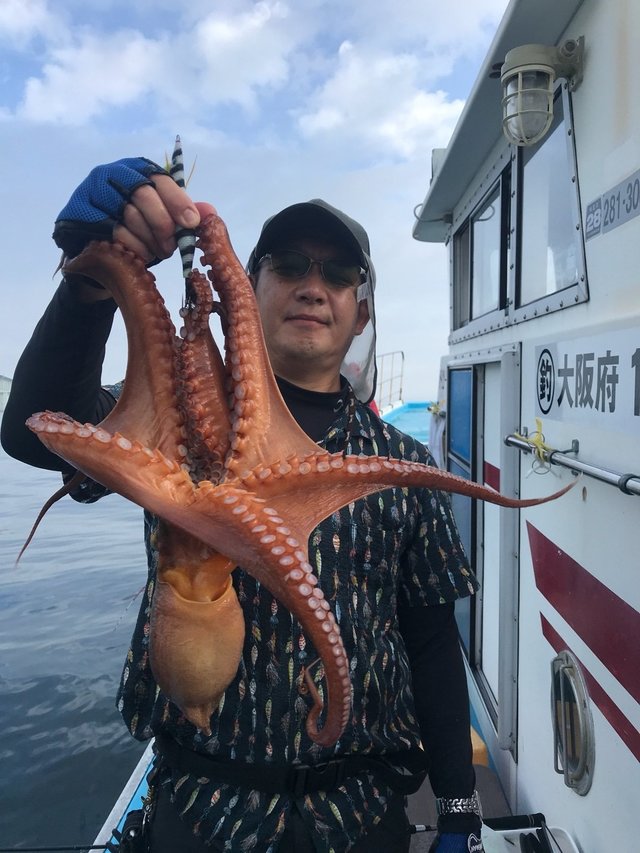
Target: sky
[[275, 102]]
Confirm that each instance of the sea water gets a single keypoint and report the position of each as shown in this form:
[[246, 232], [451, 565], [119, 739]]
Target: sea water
[[67, 612]]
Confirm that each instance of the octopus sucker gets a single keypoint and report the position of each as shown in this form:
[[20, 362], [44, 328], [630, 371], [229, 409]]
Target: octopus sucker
[[209, 446]]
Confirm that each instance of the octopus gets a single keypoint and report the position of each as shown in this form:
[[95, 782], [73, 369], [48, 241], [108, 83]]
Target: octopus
[[207, 444]]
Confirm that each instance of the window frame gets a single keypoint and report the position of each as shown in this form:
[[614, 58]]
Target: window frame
[[501, 709], [509, 176], [574, 293], [477, 325]]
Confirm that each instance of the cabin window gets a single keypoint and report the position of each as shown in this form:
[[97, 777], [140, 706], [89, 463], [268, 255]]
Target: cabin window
[[462, 274], [486, 267], [459, 461], [479, 259], [550, 242], [460, 416], [572, 723]]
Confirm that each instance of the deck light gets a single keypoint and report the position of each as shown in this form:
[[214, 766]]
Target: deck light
[[527, 78]]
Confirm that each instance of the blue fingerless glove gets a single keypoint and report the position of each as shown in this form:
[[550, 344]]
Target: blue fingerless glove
[[97, 205], [457, 842]]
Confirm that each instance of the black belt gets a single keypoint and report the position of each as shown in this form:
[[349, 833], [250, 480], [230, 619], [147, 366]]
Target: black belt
[[403, 771]]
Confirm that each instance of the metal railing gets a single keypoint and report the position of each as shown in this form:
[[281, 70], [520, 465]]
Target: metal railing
[[627, 483], [390, 376]]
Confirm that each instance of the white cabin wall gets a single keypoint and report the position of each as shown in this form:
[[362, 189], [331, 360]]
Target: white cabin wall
[[607, 123], [606, 114], [596, 525]]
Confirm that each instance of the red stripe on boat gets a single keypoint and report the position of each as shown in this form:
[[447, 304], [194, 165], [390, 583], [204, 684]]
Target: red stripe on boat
[[603, 620], [492, 476]]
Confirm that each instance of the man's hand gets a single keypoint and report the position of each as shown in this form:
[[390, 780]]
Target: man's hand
[[133, 201]]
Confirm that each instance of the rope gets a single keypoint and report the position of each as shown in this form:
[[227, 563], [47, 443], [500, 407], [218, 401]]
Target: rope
[[536, 442], [541, 451]]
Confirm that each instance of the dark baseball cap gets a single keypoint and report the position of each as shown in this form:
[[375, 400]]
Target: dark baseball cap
[[310, 219]]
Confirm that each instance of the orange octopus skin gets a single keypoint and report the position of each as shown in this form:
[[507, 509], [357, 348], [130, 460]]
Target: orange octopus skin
[[211, 448], [217, 624]]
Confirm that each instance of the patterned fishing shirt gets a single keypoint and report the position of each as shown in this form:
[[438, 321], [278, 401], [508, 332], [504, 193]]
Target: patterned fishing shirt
[[400, 544]]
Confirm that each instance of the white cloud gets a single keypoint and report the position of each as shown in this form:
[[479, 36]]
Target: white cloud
[[236, 55], [432, 27], [220, 59], [424, 119], [377, 100], [377, 86], [79, 82], [21, 20]]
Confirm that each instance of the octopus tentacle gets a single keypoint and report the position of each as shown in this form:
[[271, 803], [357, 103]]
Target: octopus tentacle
[[255, 394], [146, 407], [334, 480], [201, 391]]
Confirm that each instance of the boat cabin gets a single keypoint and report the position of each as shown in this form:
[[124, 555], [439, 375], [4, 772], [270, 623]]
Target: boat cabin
[[536, 199]]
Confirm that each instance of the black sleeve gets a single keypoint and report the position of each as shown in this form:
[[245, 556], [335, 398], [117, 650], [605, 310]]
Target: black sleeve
[[60, 370], [441, 697]]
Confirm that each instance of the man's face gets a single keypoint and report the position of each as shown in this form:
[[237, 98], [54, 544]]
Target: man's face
[[308, 323]]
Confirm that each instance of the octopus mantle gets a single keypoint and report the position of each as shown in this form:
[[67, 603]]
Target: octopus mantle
[[210, 447]]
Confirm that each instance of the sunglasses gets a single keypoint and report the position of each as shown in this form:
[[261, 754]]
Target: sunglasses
[[291, 264]]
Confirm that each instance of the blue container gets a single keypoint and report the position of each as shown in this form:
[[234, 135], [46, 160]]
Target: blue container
[[412, 418]]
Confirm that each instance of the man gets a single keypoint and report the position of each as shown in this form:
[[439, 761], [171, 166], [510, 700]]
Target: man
[[391, 564]]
